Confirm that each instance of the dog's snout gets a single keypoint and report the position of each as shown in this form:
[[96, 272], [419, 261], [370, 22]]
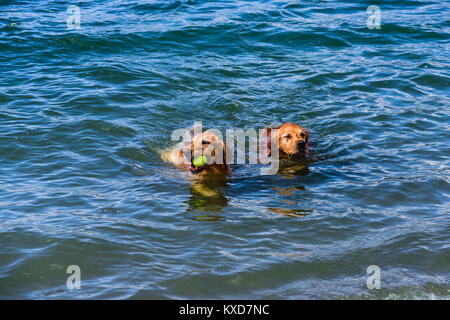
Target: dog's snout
[[301, 144]]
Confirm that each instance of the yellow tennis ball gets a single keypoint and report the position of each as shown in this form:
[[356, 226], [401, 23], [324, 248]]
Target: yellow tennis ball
[[199, 161]]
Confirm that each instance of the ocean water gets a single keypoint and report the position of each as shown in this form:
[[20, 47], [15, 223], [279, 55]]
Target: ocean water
[[85, 114]]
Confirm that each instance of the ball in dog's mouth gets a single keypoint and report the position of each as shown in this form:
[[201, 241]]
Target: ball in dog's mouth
[[198, 164], [195, 169]]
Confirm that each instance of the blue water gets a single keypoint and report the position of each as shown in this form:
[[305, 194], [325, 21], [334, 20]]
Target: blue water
[[85, 114]]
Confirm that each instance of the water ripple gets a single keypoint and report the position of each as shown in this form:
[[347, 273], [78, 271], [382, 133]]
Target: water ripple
[[86, 113]]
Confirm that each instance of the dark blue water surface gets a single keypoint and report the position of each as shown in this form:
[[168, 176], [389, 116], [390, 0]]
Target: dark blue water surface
[[85, 114]]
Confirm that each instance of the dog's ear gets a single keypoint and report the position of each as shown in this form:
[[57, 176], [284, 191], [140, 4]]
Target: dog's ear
[[272, 138], [224, 152], [308, 135], [219, 146], [185, 146], [264, 141]]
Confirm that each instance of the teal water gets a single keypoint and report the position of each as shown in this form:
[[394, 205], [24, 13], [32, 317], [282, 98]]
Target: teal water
[[85, 114]]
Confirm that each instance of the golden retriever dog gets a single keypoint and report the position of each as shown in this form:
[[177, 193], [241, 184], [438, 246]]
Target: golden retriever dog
[[292, 141], [205, 143]]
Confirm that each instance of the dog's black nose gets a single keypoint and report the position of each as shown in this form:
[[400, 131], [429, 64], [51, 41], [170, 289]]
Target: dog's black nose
[[301, 144]]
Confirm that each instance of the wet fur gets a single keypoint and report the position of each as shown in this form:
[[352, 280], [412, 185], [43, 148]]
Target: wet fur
[[289, 136], [177, 157]]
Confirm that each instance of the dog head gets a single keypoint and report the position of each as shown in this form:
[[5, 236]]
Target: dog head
[[292, 140], [213, 148]]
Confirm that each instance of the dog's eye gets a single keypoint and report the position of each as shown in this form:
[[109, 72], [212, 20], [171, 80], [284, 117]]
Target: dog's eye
[[205, 142], [288, 136], [302, 135]]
